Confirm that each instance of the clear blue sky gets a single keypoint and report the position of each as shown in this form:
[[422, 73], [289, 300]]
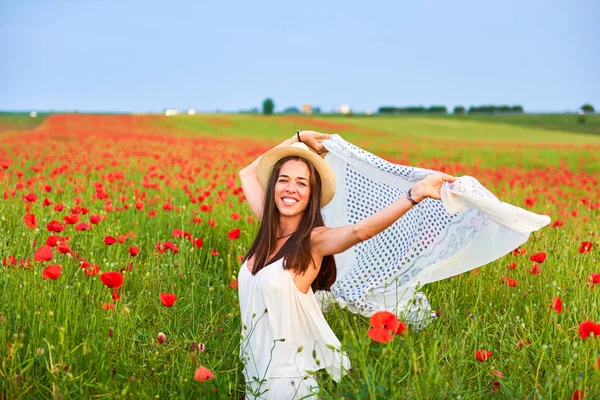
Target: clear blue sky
[[126, 55]]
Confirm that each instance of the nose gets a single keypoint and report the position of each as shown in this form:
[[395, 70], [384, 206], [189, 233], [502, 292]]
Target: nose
[[290, 187]]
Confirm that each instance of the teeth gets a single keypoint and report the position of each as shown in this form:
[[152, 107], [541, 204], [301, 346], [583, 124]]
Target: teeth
[[289, 201]]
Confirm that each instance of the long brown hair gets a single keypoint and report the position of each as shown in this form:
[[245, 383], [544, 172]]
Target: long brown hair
[[296, 251]]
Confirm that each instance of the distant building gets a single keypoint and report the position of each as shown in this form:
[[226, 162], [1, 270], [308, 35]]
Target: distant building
[[191, 111], [345, 109], [33, 114], [306, 109]]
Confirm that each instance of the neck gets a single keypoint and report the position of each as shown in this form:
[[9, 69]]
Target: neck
[[288, 225]]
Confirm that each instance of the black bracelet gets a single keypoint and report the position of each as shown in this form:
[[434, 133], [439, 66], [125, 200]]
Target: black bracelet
[[298, 134], [409, 197]]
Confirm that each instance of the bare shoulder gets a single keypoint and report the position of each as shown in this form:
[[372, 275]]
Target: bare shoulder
[[317, 231]]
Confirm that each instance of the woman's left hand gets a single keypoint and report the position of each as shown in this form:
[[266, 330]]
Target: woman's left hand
[[314, 140], [430, 186]]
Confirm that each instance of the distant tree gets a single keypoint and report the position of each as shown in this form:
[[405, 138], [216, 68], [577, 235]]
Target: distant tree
[[438, 110], [291, 110], [387, 110], [317, 110], [268, 106], [459, 110], [587, 108], [517, 109]]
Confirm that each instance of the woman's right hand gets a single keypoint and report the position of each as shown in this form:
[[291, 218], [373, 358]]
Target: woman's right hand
[[313, 140], [430, 186]]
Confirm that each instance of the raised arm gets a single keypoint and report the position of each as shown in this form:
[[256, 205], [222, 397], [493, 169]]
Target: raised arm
[[255, 195], [329, 241]]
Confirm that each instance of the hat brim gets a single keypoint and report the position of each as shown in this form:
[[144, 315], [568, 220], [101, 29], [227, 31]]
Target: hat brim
[[270, 158]]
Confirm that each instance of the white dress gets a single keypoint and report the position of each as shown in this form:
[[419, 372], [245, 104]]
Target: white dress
[[285, 337]]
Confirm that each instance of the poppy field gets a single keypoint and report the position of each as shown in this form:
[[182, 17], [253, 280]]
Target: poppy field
[[121, 237]]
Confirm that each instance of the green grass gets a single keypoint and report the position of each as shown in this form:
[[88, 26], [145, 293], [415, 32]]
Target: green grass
[[413, 140], [56, 340], [19, 121]]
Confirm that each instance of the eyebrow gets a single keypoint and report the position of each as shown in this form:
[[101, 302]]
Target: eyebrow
[[285, 176]]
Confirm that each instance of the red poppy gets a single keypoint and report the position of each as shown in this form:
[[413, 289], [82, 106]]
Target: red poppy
[[384, 319], [586, 328], [31, 197], [538, 257], [235, 216], [483, 355], [52, 271], [94, 219], [557, 305], [167, 299], [52, 240], [63, 248], [139, 205], [380, 335], [116, 296], [234, 234], [109, 240], [44, 253], [535, 269], [170, 246], [214, 252], [233, 284], [203, 374], [593, 278], [30, 220], [585, 247], [198, 243], [71, 219], [519, 251], [177, 233], [133, 251], [113, 280], [578, 394], [161, 337], [523, 343], [10, 260], [83, 227], [92, 270], [512, 265], [509, 281], [55, 226], [108, 306]]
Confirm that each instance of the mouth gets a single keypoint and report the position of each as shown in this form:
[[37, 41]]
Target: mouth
[[289, 201]]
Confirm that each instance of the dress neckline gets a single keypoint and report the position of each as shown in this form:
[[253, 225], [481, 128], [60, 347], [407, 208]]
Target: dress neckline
[[245, 265]]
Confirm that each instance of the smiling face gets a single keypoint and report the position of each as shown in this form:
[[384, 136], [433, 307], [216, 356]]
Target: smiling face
[[292, 188]]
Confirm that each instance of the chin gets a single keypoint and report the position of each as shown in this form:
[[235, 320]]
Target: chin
[[290, 211]]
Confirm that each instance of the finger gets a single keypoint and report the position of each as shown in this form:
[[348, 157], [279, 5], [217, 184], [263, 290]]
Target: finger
[[324, 136], [448, 178]]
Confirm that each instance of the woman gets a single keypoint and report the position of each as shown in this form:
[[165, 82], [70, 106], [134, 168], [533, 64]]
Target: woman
[[285, 337]]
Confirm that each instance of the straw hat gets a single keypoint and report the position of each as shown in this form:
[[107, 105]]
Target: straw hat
[[270, 158]]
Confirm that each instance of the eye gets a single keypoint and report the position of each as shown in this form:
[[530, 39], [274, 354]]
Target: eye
[[302, 184]]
